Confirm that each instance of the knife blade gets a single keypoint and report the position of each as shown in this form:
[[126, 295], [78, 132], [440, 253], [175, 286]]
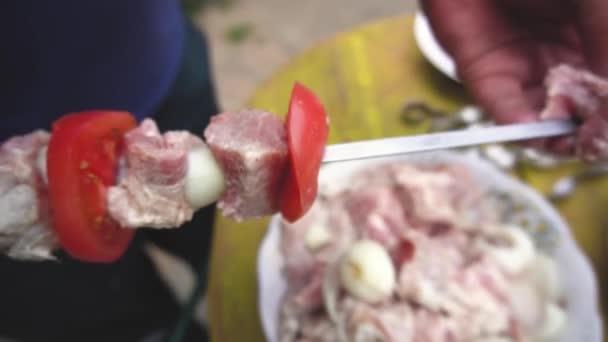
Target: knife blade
[[445, 140]]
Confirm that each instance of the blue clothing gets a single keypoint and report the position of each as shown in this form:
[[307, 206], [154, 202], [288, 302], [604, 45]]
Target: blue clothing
[[61, 56]]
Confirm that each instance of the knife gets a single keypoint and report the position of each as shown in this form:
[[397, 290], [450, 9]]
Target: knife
[[445, 140]]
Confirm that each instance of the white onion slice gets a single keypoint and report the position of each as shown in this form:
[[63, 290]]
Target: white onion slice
[[515, 250], [555, 320]]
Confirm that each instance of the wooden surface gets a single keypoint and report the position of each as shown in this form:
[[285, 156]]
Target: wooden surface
[[364, 77]]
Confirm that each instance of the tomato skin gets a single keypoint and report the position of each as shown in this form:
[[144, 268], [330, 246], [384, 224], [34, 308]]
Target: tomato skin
[[307, 128], [82, 161]]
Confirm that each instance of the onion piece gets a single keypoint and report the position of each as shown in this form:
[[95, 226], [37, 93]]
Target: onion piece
[[554, 322], [545, 274], [511, 248], [204, 178], [317, 236], [367, 271]]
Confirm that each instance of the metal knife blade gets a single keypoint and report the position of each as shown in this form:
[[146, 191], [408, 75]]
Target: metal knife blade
[[445, 140]]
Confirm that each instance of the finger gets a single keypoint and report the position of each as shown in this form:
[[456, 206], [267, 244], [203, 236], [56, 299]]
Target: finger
[[468, 29], [504, 98], [507, 102]]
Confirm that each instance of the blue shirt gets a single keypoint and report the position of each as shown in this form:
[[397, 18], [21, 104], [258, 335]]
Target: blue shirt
[[61, 56]]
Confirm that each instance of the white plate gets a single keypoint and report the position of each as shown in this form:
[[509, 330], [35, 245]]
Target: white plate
[[430, 48], [576, 274]]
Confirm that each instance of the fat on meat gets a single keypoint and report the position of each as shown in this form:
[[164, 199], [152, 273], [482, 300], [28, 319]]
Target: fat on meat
[[25, 226], [150, 188], [251, 147]]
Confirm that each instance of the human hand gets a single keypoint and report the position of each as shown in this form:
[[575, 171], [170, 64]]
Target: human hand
[[504, 48]]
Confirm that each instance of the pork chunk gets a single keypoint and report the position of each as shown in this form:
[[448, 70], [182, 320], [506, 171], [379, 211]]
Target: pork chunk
[[251, 147], [573, 91], [578, 93], [25, 226], [150, 190]]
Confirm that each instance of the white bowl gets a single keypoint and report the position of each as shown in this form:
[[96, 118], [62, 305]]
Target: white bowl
[[431, 49], [575, 272]]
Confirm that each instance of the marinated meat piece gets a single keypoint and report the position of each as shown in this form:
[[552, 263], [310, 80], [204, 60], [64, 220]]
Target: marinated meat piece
[[150, 189], [306, 262], [18, 204], [305, 328], [25, 226], [433, 327], [593, 139], [317, 330], [578, 93], [431, 195], [251, 148], [333, 219], [573, 91], [366, 323], [437, 259], [463, 276], [310, 297], [378, 214], [19, 156]]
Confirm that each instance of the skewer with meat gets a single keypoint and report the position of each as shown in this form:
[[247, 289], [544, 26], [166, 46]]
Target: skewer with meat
[[86, 186], [106, 175]]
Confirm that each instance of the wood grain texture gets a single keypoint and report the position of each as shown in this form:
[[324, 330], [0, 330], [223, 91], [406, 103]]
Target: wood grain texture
[[364, 77]]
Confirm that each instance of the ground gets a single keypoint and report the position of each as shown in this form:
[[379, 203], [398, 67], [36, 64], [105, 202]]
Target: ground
[[251, 39]]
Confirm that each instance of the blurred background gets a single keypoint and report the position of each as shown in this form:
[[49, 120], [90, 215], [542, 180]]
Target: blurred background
[[251, 39]]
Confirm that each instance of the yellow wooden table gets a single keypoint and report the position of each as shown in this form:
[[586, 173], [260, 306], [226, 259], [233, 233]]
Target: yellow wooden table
[[364, 77]]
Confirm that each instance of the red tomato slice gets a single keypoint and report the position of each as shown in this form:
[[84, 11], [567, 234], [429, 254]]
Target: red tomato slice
[[82, 161], [307, 131]]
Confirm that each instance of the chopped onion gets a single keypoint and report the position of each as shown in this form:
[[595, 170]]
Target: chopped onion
[[546, 275], [204, 178], [317, 236], [554, 322], [367, 271], [513, 249]]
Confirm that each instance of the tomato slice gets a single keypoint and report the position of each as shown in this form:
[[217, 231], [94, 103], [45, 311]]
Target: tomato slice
[[307, 127], [82, 161]]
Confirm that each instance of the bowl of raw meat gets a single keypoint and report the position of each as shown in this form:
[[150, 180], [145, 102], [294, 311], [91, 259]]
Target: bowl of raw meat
[[431, 247]]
